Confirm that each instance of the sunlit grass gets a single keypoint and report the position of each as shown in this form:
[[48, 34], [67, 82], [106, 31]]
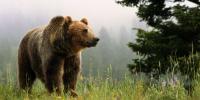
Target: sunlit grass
[[98, 88], [103, 88]]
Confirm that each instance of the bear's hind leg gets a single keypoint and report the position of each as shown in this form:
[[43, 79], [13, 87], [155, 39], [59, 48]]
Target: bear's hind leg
[[26, 76], [26, 79]]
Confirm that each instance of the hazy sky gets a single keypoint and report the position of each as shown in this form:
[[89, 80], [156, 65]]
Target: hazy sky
[[98, 12]]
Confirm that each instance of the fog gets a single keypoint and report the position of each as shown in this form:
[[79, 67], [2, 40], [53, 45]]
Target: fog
[[110, 21], [30, 13]]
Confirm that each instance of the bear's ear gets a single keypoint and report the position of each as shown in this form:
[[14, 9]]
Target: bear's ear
[[68, 20], [58, 20], [84, 20]]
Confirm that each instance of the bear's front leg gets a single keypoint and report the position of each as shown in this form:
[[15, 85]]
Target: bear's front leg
[[71, 72], [53, 75], [69, 81]]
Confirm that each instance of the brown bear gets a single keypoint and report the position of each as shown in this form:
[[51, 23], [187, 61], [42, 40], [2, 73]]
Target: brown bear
[[52, 54]]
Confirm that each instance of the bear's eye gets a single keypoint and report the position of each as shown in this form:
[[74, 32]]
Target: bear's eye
[[85, 30]]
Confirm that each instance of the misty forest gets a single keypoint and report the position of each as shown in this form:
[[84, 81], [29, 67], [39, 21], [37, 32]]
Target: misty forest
[[148, 49]]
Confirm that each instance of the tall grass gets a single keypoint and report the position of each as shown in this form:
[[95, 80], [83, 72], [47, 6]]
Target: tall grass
[[105, 88], [137, 87]]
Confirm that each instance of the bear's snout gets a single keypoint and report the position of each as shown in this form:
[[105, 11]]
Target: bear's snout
[[96, 39], [93, 42]]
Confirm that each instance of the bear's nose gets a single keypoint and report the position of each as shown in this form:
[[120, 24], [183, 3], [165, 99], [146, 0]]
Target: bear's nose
[[96, 39]]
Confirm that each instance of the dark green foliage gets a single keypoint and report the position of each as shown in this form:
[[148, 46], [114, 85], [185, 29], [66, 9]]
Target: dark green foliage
[[188, 66], [153, 11], [175, 34]]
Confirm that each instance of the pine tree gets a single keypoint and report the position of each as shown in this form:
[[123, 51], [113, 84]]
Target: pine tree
[[175, 34]]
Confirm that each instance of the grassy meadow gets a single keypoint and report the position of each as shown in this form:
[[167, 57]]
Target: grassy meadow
[[106, 88]]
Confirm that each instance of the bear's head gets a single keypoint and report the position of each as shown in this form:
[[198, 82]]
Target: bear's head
[[68, 34], [81, 34]]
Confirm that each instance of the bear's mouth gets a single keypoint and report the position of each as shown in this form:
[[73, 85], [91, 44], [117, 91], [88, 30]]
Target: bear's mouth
[[91, 43]]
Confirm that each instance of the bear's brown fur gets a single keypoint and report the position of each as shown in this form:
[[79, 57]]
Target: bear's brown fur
[[52, 54]]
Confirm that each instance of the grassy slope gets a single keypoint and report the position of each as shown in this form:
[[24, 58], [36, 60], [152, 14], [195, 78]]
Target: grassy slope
[[104, 89]]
